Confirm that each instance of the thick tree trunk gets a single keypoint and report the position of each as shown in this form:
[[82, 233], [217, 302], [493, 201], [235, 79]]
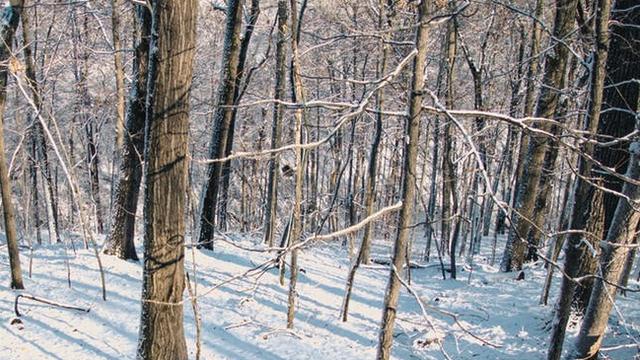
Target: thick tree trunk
[[583, 191], [405, 218], [120, 241], [614, 250], [621, 101], [589, 255], [161, 333], [529, 98], [554, 82]]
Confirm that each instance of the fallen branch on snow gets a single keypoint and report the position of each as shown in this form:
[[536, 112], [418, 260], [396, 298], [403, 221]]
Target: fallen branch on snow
[[45, 301]]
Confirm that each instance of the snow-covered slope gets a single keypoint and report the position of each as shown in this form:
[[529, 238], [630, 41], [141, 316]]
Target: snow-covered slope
[[245, 318]]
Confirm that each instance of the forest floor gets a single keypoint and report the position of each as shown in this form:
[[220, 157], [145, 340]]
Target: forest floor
[[246, 318]]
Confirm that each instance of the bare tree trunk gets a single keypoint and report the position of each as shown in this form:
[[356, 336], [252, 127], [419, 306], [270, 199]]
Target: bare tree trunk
[[448, 171], [296, 222], [120, 241], [85, 104], [40, 147], [370, 185], [589, 255], [622, 100], [554, 82], [10, 17], [226, 166], [173, 36], [33, 175], [119, 72], [271, 204], [221, 122], [405, 217], [614, 250], [583, 191], [628, 267], [529, 99]]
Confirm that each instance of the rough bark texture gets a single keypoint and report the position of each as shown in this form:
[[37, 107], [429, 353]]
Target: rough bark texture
[[621, 101], [221, 122], [529, 98], [583, 191], [161, 333], [10, 14], [120, 241], [589, 255], [553, 83], [614, 251], [392, 294]]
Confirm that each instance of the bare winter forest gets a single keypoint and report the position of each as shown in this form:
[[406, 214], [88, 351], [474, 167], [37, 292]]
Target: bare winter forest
[[309, 179]]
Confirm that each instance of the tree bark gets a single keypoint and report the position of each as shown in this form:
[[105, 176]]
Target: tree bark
[[11, 16], [120, 241], [40, 148], [221, 122], [296, 222], [226, 166], [583, 191], [119, 72], [614, 250], [173, 36], [621, 101], [405, 217], [554, 83], [271, 204], [448, 170]]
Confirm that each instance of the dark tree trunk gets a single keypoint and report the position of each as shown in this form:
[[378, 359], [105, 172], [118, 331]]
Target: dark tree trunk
[[226, 166], [222, 119], [554, 82], [583, 192], [621, 102], [120, 241]]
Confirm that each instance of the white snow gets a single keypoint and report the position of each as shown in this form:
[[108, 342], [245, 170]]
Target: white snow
[[246, 319]]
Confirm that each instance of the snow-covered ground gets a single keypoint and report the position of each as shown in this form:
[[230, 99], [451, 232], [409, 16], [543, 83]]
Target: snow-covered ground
[[245, 319]]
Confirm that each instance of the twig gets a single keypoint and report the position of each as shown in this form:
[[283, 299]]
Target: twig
[[45, 301], [423, 307]]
